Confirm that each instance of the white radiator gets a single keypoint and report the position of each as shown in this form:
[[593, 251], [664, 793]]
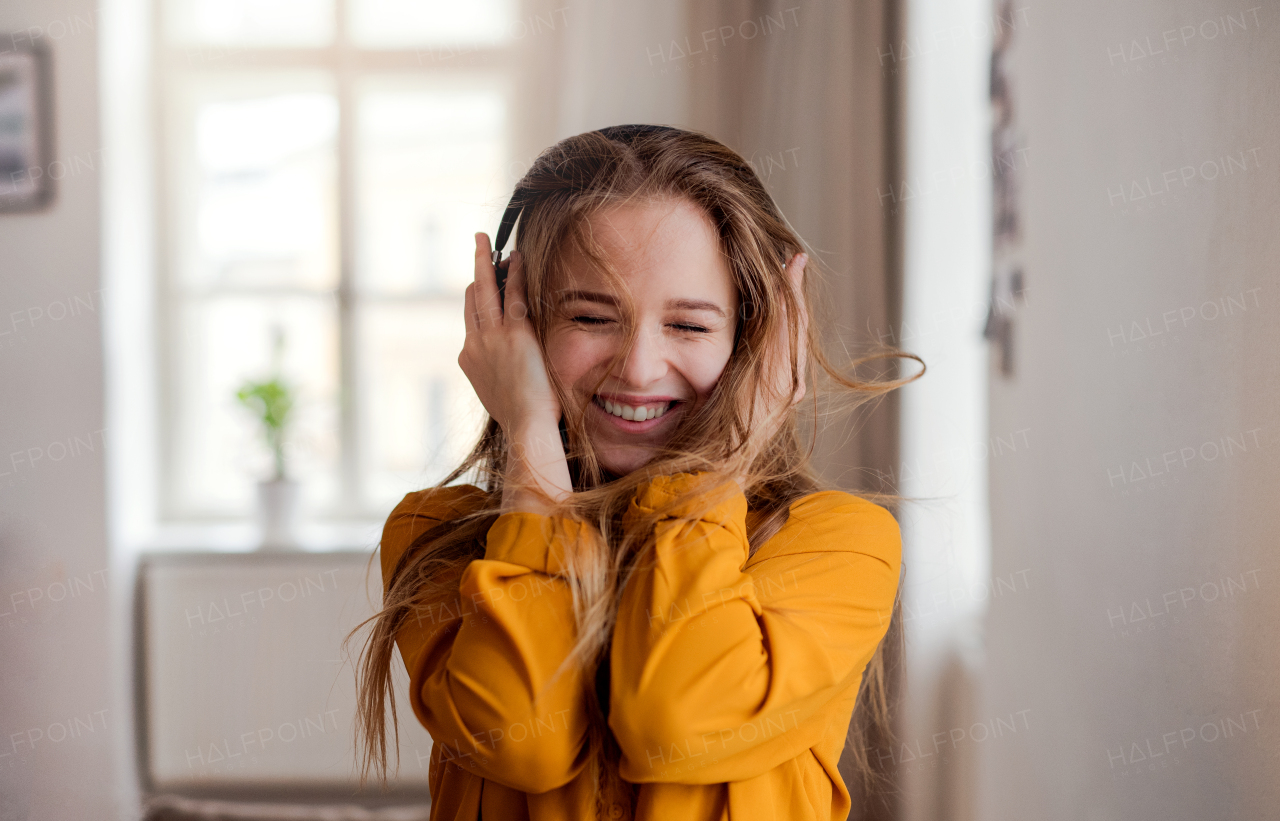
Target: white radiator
[[244, 684]]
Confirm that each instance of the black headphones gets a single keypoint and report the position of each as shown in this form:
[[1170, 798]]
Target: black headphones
[[520, 198]]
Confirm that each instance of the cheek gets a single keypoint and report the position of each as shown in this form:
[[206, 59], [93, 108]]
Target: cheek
[[703, 367], [574, 356]]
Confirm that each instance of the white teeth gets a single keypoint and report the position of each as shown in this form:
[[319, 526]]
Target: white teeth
[[640, 414]]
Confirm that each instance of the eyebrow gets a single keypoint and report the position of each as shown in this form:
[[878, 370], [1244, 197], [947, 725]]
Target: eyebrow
[[609, 299]]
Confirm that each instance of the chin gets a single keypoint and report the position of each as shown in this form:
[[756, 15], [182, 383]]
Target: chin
[[622, 461]]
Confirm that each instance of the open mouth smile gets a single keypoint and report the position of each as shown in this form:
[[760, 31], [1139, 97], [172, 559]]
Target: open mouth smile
[[634, 418]]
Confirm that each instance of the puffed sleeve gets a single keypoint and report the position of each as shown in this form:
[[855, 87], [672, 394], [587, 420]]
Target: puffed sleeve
[[482, 658], [722, 670]]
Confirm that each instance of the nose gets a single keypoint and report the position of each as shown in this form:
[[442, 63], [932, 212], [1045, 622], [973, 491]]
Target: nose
[[645, 363]]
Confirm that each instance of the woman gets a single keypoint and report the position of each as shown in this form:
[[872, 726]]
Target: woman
[[647, 606]]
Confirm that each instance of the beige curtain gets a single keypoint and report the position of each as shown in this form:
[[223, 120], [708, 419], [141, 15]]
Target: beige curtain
[[798, 88]]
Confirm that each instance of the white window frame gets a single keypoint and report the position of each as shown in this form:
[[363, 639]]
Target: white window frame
[[347, 65]]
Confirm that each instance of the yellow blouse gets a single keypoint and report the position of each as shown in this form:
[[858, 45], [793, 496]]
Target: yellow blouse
[[732, 681]]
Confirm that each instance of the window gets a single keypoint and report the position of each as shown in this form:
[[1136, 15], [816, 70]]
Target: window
[[321, 173]]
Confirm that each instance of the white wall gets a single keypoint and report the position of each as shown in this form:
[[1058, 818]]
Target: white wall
[[1131, 633], [55, 655], [944, 200]]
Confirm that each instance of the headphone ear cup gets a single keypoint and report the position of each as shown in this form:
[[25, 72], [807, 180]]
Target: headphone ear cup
[[501, 269]]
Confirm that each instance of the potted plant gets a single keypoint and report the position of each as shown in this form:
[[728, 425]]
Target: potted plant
[[272, 403]]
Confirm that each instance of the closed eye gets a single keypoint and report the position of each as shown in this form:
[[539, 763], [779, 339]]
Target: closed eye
[[691, 328], [592, 320]]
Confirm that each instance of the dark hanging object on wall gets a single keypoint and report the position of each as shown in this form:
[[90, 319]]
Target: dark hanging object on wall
[[28, 170], [1008, 289]]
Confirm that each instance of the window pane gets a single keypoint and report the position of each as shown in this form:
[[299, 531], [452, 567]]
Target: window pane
[[436, 23], [256, 182], [243, 23], [218, 447], [430, 163], [419, 416]]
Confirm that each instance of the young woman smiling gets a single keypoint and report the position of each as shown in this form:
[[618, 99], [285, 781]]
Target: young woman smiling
[[646, 605]]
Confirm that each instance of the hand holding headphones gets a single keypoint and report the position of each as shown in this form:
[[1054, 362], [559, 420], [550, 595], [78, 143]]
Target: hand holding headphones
[[502, 358]]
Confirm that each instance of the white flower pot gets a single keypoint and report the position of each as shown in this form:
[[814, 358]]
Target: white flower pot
[[278, 514]]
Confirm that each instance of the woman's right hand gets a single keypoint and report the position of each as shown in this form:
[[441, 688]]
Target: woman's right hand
[[501, 355], [503, 360]]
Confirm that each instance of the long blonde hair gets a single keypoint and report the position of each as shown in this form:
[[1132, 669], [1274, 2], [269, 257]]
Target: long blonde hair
[[567, 184]]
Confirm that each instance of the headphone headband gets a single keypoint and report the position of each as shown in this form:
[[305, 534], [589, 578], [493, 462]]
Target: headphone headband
[[626, 134]]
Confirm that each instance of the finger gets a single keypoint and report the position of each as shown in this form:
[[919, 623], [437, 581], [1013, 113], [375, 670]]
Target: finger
[[469, 309], [517, 304], [796, 272], [795, 269], [488, 308], [795, 276]]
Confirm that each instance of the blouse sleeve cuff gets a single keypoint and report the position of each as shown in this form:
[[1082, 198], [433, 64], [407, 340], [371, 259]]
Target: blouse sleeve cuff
[[533, 540], [691, 496]]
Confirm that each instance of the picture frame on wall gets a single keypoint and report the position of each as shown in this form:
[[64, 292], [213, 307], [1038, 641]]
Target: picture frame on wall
[[26, 127]]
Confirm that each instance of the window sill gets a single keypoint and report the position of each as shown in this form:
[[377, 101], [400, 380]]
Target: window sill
[[241, 537]]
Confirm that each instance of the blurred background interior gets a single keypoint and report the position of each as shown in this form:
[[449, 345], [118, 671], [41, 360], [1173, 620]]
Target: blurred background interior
[[234, 239]]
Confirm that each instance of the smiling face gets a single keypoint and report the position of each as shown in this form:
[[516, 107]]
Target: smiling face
[[669, 259]]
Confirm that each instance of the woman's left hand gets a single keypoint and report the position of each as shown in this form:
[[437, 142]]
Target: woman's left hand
[[776, 396]]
